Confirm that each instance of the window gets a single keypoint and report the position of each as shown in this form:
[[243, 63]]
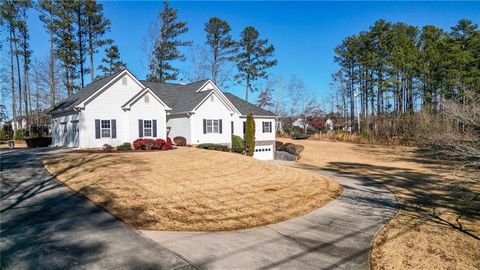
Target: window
[[124, 81], [75, 127], [63, 127], [147, 128], [146, 99], [213, 126], [267, 127], [105, 128]]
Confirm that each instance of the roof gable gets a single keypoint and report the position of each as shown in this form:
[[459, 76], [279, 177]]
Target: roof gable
[[246, 107]]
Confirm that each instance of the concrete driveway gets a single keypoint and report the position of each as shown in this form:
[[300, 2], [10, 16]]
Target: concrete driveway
[[44, 225], [336, 236]]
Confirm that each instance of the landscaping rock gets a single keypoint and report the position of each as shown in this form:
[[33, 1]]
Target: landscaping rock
[[294, 149], [278, 145], [281, 155]]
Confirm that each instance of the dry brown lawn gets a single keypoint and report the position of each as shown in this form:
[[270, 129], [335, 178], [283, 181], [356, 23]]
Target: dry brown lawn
[[438, 226], [189, 189], [18, 144]]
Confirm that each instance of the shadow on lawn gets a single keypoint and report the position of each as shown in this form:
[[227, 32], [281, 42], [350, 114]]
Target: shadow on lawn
[[422, 193], [44, 225]]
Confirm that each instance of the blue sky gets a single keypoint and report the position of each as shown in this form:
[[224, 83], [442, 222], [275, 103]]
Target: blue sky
[[303, 33]]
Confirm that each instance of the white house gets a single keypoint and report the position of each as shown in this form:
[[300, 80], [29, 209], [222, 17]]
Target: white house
[[120, 108], [19, 122]]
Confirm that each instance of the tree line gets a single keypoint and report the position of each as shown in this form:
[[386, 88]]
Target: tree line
[[76, 30], [395, 69], [250, 54]]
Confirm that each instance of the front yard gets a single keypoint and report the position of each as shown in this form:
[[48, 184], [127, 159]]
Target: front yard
[[189, 189], [438, 225]]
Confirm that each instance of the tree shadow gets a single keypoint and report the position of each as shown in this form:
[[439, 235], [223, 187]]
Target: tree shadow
[[46, 226], [422, 193]]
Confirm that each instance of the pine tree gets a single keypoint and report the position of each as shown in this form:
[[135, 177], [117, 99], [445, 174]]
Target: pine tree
[[222, 46], [26, 53], [250, 135], [254, 59], [79, 11], [47, 9], [166, 47], [112, 61], [97, 26]]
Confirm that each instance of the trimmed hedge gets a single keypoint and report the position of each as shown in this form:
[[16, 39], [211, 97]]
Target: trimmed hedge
[[124, 147], [151, 144], [237, 144], [19, 134], [38, 141], [213, 146]]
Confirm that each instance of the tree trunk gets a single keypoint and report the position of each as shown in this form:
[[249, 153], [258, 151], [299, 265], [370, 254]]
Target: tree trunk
[[90, 50], [247, 88], [52, 72], [12, 77], [20, 110], [80, 41]]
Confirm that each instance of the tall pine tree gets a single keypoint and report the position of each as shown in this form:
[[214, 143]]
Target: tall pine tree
[[166, 46], [112, 61], [221, 44], [255, 57]]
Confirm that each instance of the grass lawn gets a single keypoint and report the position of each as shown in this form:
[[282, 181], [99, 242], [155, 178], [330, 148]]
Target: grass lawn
[[189, 189], [438, 226]]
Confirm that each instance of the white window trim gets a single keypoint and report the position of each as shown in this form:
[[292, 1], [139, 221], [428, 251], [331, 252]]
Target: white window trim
[[109, 129], [145, 128], [213, 126], [264, 127]]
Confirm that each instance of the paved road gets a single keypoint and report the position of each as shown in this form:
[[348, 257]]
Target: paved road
[[44, 225], [335, 236]]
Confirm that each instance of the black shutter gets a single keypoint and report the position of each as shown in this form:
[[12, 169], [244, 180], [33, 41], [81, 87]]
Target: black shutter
[[97, 129], [140, 128], [271, 127], [232, 127], [244, 127], [263, 127], [114, 129], [154, 123], [204, 126], [220, 125]]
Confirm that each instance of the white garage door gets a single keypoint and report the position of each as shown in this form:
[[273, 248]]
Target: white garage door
[[263, 152]]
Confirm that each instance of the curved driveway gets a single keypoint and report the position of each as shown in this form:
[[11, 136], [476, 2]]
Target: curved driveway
[[336, 236], [44, 225]]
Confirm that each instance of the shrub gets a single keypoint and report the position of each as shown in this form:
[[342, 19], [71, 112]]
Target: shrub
[[168, 144], [159, 143], [180, 141], [278, 145], [19, 134], [7, 132], [138, 144], [39, 142], [213, 146], [237, 144], [3, 135], [124, 147], [250, 135], [148, 144], [107, 148]]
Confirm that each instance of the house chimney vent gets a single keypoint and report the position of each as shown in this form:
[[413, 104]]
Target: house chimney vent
[[181, 82]]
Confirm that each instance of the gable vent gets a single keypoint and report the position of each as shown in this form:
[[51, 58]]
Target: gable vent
[[124, 81]]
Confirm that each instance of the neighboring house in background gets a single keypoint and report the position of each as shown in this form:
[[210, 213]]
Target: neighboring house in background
[[120, 108], [20, 122], [300, 123]]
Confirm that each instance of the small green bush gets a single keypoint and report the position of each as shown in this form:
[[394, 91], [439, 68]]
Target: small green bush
[[124, 147], [3, 135], [237, 144], [19, 134], [213, 146]]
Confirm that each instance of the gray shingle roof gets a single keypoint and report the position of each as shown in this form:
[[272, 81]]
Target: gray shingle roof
[[246, 107], [181, 98], [77, 98]]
